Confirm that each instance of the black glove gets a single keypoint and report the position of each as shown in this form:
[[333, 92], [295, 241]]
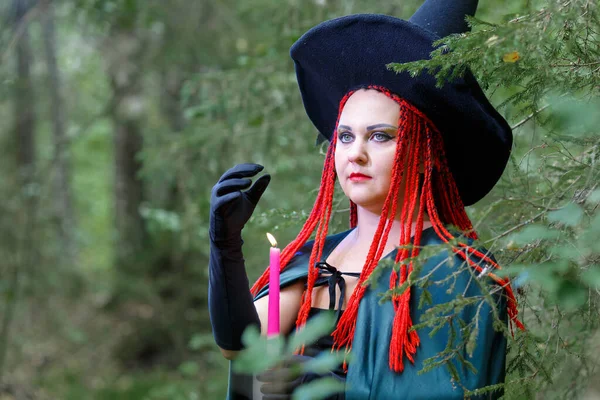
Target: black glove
[[230, 302], [280, 382], [230, 208]]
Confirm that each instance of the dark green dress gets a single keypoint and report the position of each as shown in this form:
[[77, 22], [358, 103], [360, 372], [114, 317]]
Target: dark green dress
[[369, 375]]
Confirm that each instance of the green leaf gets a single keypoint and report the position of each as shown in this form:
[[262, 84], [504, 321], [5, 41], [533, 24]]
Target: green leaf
[[318, 389], [570, 215], [466, 363], [381, 266], [319, 326], [484, 390], [589, 242], [426, 298], [543, 275], [571, 296], [574, 117], [453, 371], [472, 341], [250, 336], [594, 197], [532, 233], [591, 276], [326, 362], [558, 266], [512, 270], [566, 251], [260, 353]]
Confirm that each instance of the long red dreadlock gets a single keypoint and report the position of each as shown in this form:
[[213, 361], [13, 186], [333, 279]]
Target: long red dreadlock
[[437, 195]]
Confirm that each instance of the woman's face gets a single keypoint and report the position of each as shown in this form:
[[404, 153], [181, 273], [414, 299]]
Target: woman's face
[[366, 146]]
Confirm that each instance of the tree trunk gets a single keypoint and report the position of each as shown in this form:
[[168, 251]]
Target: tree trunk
[[172, 82], [24, 95], [124, 70], [24, 139], [63, 193]]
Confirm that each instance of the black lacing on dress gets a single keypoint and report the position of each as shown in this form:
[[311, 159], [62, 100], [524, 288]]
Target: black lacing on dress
[[331, 276]]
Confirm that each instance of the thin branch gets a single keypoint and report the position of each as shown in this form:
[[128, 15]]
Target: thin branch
[[533, 114], [575, 64], [514, 228], [530, 220]]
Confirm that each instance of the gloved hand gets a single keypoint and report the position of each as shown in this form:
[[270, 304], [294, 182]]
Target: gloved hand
[[280, 382], [230, 302], [230, 208]]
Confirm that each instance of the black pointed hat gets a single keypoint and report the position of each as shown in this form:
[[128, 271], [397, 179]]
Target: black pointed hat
[[352, 52]]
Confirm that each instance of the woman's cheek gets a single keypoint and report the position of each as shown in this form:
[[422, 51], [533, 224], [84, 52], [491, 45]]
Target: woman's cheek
[[343, 186]]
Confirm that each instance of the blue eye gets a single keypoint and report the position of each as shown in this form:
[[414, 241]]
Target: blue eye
[[345, 137], [380, 137]]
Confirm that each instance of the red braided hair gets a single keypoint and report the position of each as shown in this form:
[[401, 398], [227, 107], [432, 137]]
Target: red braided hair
[[353, 215], [437, 195], [319, 215]]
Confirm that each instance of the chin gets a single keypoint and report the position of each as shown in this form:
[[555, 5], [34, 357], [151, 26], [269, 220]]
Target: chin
[[367, 201]]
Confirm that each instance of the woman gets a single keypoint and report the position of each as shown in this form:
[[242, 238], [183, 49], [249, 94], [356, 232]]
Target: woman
[[409, 156]]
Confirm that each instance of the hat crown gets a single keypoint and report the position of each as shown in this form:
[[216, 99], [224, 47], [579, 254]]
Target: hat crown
[[444, 17]]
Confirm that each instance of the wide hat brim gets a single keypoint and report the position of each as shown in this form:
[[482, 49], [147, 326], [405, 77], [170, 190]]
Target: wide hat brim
[[351, 52]]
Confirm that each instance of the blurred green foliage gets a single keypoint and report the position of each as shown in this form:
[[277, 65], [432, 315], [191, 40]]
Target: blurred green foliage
[[214, 87]]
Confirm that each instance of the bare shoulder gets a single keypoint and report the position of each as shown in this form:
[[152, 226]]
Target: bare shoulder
[[289, 305]]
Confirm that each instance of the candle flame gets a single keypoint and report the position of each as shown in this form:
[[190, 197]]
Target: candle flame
[[272, 240]]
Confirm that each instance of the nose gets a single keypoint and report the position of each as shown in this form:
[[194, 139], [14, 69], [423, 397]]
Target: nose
[[357, 153]]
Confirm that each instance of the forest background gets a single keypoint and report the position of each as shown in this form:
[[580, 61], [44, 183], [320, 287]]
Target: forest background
[[118, 116]]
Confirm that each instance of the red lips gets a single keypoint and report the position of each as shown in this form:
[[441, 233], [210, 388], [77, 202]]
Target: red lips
[[357, 177]]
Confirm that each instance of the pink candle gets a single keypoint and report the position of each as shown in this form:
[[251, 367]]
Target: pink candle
[[274, 266]]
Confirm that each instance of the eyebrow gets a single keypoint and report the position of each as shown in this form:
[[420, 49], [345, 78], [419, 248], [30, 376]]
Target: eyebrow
[[369, 128]]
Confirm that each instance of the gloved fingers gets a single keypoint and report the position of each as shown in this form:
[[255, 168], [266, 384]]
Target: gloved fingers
[[278, 374], [276, 397], [242, 171], [299, 359], [259, 187], [280, 388], [309, 377], [232, 185], [224, 200], [288, 370]]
